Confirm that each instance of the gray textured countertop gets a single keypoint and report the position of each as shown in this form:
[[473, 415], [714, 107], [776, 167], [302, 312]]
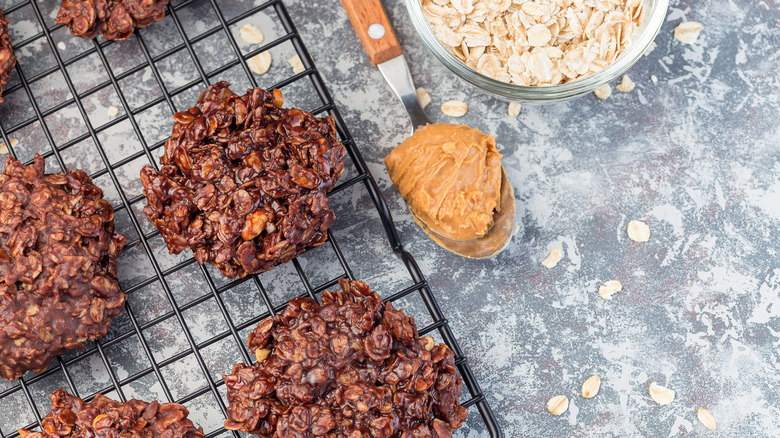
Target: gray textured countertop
[[695, 155]]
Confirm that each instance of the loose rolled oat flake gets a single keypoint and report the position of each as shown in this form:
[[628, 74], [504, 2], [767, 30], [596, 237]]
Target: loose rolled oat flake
[[687, 32], [706, 418], [591, 386], [609, 288], [660, 394], [552, 260], [251, 34], [603, 92], [558, 404], [297, 64], [638, 231], [513, 110], [454, 108], [260, 63], [625, 85], [423, 97], [4, 147], [112, 111]]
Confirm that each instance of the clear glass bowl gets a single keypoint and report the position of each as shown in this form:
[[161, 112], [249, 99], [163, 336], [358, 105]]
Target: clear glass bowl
[[655, 14]]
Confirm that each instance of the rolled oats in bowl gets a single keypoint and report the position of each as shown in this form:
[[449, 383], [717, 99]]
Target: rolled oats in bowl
[[537, 51], [535, 42]]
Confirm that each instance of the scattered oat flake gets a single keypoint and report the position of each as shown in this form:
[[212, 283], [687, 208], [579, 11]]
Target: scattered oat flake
[[661, 394], [513, 110], [423, 97], [603, 92], [251, 34], [625, 85], [706, 418], [638, 231], [687, 32], [552, 260], [4, 147], [558, 404], [591, 386], [61, 45], [112, 111], [260, 63], [297, 64], [454, 108], [610, 288], [654, 79]]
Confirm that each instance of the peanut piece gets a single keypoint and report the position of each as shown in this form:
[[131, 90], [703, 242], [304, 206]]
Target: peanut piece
[[262, 354]]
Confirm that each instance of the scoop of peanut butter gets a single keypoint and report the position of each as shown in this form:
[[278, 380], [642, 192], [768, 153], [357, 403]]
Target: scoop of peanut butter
[[450, 176]]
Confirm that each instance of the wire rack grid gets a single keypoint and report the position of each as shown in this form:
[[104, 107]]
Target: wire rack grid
[[55, 88]]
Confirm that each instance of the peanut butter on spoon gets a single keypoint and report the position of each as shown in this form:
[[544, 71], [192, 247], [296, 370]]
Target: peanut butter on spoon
[[450, 175], [452, 179]]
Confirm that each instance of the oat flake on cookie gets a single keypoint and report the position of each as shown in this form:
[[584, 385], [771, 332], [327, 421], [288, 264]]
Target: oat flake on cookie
[[541, 42]]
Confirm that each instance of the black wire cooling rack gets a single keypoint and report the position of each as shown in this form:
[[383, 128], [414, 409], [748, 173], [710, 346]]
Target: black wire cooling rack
[[54, 106]]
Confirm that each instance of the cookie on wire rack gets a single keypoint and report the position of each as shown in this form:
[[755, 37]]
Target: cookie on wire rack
[[114, 19], [244, 182], [58, 251], [7, 57], [351, 367], [72, 417]]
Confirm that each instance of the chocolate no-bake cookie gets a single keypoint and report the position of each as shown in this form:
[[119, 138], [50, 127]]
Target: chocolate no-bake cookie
[[7, 57], [114, 19], [353, 367], [58, 251], [244, 181], [102, 417]]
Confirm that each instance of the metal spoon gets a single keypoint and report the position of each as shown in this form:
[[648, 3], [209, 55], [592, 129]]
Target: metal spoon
[[370, 21]]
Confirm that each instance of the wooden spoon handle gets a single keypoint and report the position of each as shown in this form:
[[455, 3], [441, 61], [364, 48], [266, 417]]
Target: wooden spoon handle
[[370, 21]]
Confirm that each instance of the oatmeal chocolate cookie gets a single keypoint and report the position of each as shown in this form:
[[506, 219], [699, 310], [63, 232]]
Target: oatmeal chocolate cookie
[[354, 367], [7, 57], [102, 417], [243, 181], [114, 19], [58, 253]]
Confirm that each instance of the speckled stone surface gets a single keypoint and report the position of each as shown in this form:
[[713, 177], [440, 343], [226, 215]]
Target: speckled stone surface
[[695, 154]]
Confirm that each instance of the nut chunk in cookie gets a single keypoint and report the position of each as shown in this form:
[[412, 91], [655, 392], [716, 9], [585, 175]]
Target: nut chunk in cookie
[[58, 250], [71, 416], [351, 367], [244, 182]]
